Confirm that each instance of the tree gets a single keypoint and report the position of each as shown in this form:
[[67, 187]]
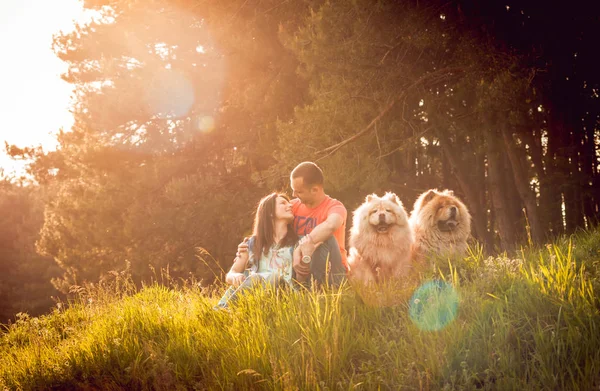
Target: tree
[[392, 98], [24, 275], [188, 111], [175, 109]]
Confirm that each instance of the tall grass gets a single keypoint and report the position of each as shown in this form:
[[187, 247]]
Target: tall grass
[[527, 322]]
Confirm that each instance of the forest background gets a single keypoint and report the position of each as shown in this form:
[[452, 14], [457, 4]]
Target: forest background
[[187, 112]]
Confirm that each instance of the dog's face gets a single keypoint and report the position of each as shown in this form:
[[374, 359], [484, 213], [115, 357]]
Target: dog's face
[[447, 213], [382, 213], [442, 210]]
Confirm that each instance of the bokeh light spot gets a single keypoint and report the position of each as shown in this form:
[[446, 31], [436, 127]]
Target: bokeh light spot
[[433, 306], [206, 124], [170, 94]]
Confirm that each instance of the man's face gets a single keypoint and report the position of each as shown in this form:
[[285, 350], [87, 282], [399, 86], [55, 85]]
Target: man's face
[[299, 190]]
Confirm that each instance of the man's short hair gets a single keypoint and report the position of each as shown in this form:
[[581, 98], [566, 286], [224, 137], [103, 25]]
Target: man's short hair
[[310, 173]]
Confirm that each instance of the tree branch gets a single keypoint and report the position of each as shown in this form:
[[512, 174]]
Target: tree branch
[[435, 76]]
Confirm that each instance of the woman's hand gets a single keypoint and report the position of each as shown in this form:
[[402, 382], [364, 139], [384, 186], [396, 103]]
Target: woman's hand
[[236, 276], [242, 247], [235, 279]]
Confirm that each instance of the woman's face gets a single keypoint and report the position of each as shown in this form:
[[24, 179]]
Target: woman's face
[[283, 209]]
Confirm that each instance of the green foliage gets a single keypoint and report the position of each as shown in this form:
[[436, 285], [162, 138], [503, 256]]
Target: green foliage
[[24, 275], [358, 58], [514, 330], [409, 96], [174, 111], [188, 111], [393, 91]]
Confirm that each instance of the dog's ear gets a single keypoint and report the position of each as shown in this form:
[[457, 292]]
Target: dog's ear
[[428, 197], [370, 197], [393, 197]]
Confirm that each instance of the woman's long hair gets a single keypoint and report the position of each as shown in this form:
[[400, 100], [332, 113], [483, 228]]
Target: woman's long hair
[[264, 227]]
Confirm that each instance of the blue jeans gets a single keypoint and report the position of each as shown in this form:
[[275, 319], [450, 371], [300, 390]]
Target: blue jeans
[[232, 293], [326, 267]]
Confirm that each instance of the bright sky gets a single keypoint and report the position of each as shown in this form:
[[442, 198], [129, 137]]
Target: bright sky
[[34, 99]]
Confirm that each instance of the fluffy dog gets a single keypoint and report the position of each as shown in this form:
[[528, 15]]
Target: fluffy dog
[[441, 224], [380, 240]]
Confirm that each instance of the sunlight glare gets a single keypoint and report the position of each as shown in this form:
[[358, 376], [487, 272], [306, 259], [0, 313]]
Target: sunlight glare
[[170, 95], [34, 100]]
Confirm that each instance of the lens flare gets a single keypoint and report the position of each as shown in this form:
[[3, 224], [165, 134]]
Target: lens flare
[[170, 94], [205, 124], [433, 306]]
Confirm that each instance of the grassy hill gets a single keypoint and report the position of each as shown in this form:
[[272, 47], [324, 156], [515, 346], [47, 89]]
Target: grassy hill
[[529, 322]]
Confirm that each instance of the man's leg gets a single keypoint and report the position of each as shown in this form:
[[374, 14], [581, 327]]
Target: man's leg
[[326, 265]]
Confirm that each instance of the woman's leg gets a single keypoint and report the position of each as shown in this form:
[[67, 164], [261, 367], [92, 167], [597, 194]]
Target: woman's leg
[[232, 294]]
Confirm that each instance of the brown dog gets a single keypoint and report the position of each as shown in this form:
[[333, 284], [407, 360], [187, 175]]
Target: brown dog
[[441, 224]]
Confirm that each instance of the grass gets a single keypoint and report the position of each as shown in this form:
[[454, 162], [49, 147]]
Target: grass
[[498, 323]]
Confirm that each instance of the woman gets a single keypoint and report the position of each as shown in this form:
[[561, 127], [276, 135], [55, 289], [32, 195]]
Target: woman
[[271, 249]]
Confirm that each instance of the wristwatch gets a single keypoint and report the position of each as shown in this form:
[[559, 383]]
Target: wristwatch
[[306, 259]]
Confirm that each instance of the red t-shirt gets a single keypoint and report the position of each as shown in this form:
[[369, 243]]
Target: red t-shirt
[[305, 219]]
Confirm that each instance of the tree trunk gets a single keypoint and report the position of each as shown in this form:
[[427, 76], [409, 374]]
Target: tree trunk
[[496, 190], [553, 187], [585, 173], [476, 208], [522, 183], [514, 204], [482, 194], [533, 139], [447, 168], [590, 205], [577, 188], [565, 166]]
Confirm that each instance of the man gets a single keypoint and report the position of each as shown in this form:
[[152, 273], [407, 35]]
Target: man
[[321, 220]]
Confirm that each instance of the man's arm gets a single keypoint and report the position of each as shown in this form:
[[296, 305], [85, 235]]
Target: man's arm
[[321, 233]]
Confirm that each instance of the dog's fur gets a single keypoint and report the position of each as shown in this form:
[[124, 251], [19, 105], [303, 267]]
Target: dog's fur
[[441, 225], [380, 240]]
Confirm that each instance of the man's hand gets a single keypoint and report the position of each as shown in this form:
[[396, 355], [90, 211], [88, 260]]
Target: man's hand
[[242, 247], [302, 269], [307, 246]]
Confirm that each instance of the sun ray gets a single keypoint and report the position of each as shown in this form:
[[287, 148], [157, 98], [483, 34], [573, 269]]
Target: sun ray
[[34, 100]]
